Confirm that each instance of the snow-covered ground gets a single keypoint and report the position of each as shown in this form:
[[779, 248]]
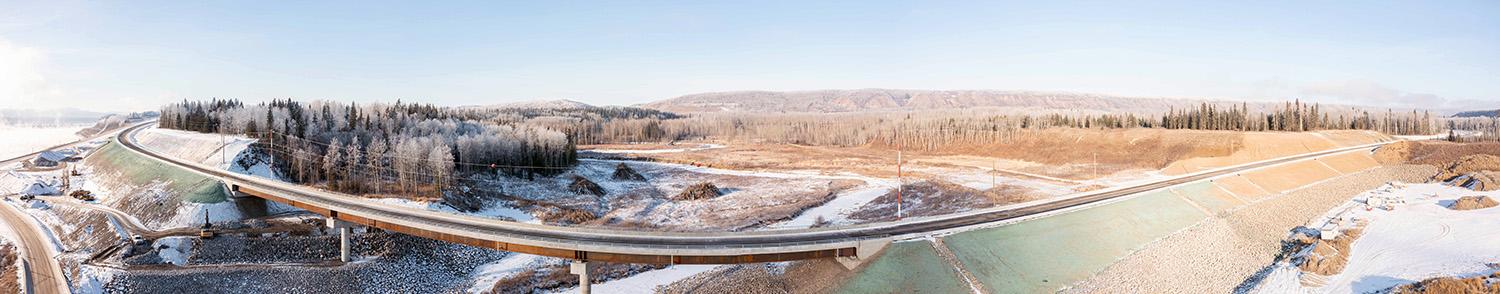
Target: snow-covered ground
[[836, 210], [210, 149], [1417, 240], [655, 151], [22, 140], [493, 211], [648, 281]]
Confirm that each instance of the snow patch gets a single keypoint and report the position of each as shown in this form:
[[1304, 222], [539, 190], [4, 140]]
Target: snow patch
[[1415, 240]]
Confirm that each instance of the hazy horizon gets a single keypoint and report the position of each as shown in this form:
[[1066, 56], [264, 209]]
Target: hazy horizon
[[138, 55]]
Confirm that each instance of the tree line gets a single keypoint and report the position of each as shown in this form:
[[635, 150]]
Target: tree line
[[934, 128]]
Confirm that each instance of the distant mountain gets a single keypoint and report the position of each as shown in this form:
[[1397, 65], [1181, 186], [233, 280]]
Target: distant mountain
[[824, 101], [1479, 113], [559, 104]]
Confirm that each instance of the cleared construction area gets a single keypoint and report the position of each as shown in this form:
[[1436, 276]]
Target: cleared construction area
[[1060, 251]]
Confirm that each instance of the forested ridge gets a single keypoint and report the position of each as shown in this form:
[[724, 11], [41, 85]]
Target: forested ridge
[[379, 148]]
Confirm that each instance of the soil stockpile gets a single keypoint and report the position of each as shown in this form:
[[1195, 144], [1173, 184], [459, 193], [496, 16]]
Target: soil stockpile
[[704, 190], [1475, 171], [1438, 153], [1473, 202], [625, 173], [583, 186], [1328, 257], [1476, 284]]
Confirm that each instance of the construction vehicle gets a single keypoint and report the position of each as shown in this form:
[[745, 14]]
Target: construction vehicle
[[84, 195], [207, 231]]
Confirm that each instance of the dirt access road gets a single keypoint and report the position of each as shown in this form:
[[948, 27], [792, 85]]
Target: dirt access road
[[46, 274]]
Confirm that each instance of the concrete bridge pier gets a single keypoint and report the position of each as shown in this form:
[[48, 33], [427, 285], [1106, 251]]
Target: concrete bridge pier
[[581, 268], [344, 232]]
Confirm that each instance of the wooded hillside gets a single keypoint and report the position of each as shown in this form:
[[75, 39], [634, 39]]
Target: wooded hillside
[[402, 148]]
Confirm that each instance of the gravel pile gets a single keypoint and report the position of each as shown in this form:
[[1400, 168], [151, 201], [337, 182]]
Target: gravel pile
[[413, 265], [1230, 251]]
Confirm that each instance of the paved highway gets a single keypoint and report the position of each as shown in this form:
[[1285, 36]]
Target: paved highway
[[654, 247]]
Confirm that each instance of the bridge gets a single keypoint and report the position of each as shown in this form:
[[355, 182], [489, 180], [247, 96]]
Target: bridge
[[848, 244]]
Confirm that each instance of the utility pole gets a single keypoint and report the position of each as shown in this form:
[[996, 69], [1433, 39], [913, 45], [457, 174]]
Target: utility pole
[[994, 168], [900, 183], [1096, 165]]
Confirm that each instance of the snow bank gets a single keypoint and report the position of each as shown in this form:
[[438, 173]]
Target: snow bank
[[210, 149], [174, 250], [486, 275]]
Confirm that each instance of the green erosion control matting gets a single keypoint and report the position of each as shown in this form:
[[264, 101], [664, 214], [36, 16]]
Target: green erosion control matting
[[1043, 255], [141, 171], [1208, 196], [907, 267]]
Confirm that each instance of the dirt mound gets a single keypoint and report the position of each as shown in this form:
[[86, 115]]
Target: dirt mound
[[625, 173], [704, 190], [1394, 153], [1474, 171], [1478, 284], [1433, 152], [583, 186], [1328, 257], [1473, 202], [568, 216]]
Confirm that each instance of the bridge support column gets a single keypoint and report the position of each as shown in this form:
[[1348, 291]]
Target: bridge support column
[[581, 268], [344, 232]]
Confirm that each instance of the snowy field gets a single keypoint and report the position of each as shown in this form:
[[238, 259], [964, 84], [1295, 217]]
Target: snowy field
[[655, 151], [1417, 240], [22, 140]]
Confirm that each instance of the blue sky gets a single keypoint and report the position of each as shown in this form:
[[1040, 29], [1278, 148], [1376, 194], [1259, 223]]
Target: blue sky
[[135, 55]]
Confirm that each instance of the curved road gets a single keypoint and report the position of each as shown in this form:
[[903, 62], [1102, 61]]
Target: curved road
[[46, 275], [654, 247]]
